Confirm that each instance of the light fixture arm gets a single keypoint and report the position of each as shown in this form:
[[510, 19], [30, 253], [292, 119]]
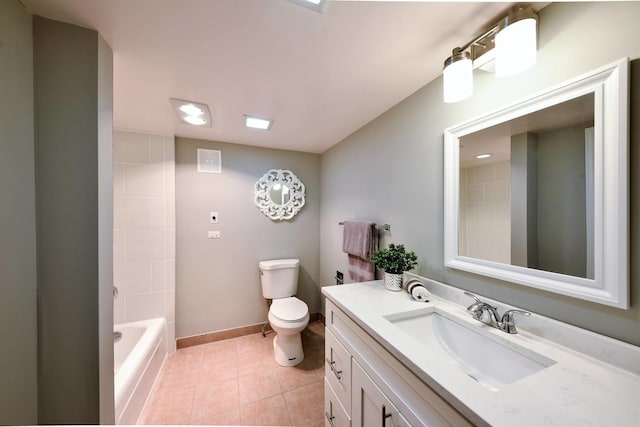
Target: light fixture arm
[[485, 40]]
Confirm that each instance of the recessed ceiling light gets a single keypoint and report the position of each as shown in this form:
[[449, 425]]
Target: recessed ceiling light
[[195, 120], [191, 110], [192, 113], [257, 123], [483, 156], [317, 5]]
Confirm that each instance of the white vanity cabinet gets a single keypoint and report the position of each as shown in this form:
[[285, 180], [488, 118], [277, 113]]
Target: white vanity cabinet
[[366, 386], [371, 407]]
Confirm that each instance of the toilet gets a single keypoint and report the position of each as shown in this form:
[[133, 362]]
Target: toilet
[[288, 316]]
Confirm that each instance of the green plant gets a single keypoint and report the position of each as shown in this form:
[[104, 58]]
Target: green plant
[[394, 259]]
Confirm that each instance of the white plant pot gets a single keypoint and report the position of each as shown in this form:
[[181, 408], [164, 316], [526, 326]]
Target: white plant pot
[[392, 281]]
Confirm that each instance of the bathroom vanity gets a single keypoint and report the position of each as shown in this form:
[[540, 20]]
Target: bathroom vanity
[[391, 360]]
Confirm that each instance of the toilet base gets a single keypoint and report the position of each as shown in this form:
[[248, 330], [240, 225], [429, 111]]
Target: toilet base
[[288, 349]]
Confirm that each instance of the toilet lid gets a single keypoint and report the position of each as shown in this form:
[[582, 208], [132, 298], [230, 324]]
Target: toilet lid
[[289, 309]]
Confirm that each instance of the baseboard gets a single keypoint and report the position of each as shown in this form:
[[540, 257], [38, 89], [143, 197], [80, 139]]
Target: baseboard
[[232, 333]]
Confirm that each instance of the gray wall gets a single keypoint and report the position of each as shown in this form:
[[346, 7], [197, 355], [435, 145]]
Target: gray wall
[[391, 170], [75, 309], [524, 200], [562, 219], [217, 281], [18, 357]]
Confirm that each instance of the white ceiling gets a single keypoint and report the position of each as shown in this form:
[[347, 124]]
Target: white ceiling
[[320, 76]]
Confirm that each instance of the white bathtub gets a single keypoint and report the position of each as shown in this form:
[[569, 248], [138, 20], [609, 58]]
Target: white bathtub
[[138, 357]]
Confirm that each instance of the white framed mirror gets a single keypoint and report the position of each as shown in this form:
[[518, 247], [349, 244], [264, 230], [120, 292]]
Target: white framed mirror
[[548, 207], [279, 194]]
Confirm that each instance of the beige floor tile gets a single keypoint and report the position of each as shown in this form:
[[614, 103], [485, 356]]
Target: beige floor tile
[[216, 371], [224, 418], [317, 423], [306, 403], [294, 377], [177, 380], [271, 411], [211, 400], [183, 357], [258, 386], [220, 350], [168, 409]]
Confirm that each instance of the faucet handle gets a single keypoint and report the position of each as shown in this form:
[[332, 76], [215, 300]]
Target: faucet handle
[[508, 324]]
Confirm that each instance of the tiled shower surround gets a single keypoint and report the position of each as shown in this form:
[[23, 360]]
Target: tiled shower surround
[[485, 212], [144, 228]]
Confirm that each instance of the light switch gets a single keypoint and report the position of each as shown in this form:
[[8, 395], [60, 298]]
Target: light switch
[[213, 234], [213, 217]]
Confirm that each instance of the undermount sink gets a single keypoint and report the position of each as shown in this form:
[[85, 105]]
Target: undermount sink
[[491, 361]]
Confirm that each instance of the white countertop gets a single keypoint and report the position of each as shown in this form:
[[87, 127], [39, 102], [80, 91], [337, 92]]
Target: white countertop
[[577, 390]]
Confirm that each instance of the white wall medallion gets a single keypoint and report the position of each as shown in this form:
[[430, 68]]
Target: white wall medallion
[[279, 194]]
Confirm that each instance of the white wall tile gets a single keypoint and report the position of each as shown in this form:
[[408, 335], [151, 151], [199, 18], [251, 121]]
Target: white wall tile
[[170, 274], [169, 149], [118, 179], [144, 180], [130, 147], [170, 306], [170, 243], [170, 213], [144, 245], [170, 179], [157, 212], [171, 337], [158, 281], [144, 228], [130, 212], [118, 245], [145, 306], [132, 277], [156, 149]]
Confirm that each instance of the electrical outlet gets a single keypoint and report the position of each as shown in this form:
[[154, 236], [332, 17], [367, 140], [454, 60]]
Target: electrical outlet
[[339, 278], [214, 234]]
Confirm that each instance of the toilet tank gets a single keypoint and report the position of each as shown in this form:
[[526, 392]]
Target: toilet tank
[[279, 278]]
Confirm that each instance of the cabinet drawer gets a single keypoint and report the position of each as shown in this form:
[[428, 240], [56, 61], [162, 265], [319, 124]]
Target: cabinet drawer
[[334, 413], [337, 369]]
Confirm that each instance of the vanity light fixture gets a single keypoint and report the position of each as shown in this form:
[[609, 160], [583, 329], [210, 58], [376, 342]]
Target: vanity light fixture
[[512, 41], [257, 122], [192, 113]]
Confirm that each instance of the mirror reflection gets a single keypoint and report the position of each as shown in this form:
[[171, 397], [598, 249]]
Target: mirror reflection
[[280, 194], [527, 191]]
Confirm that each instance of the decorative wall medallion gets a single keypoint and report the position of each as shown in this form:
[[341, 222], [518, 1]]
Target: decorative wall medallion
[[279, 194]]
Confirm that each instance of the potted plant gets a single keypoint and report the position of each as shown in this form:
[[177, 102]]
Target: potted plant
[[394, 260]]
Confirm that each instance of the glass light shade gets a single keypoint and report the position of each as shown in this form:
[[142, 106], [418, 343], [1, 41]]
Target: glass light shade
[[516, 47], [457, 80]]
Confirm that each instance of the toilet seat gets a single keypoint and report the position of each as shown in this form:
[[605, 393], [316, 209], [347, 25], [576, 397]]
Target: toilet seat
[[289, 310]]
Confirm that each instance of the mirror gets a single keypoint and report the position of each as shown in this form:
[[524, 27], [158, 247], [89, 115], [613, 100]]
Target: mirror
[[279, 194], [537, 192]]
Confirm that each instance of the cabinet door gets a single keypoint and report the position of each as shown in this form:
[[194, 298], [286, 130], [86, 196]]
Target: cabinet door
[[334, 413], [370, 407], [338, 369]]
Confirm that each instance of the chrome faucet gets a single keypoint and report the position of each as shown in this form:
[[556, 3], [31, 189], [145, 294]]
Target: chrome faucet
[[488, 315]]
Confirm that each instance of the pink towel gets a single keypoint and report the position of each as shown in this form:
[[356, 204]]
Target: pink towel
[[359, 241]]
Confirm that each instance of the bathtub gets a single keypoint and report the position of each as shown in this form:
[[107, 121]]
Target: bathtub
[[138, 357]]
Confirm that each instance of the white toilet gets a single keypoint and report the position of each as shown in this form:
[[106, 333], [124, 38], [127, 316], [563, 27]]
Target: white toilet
[[288, 316]]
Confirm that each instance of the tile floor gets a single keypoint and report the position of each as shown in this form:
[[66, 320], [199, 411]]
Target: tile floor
[[238, 382]]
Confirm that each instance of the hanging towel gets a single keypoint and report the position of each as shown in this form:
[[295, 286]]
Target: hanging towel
[[359, 241]]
